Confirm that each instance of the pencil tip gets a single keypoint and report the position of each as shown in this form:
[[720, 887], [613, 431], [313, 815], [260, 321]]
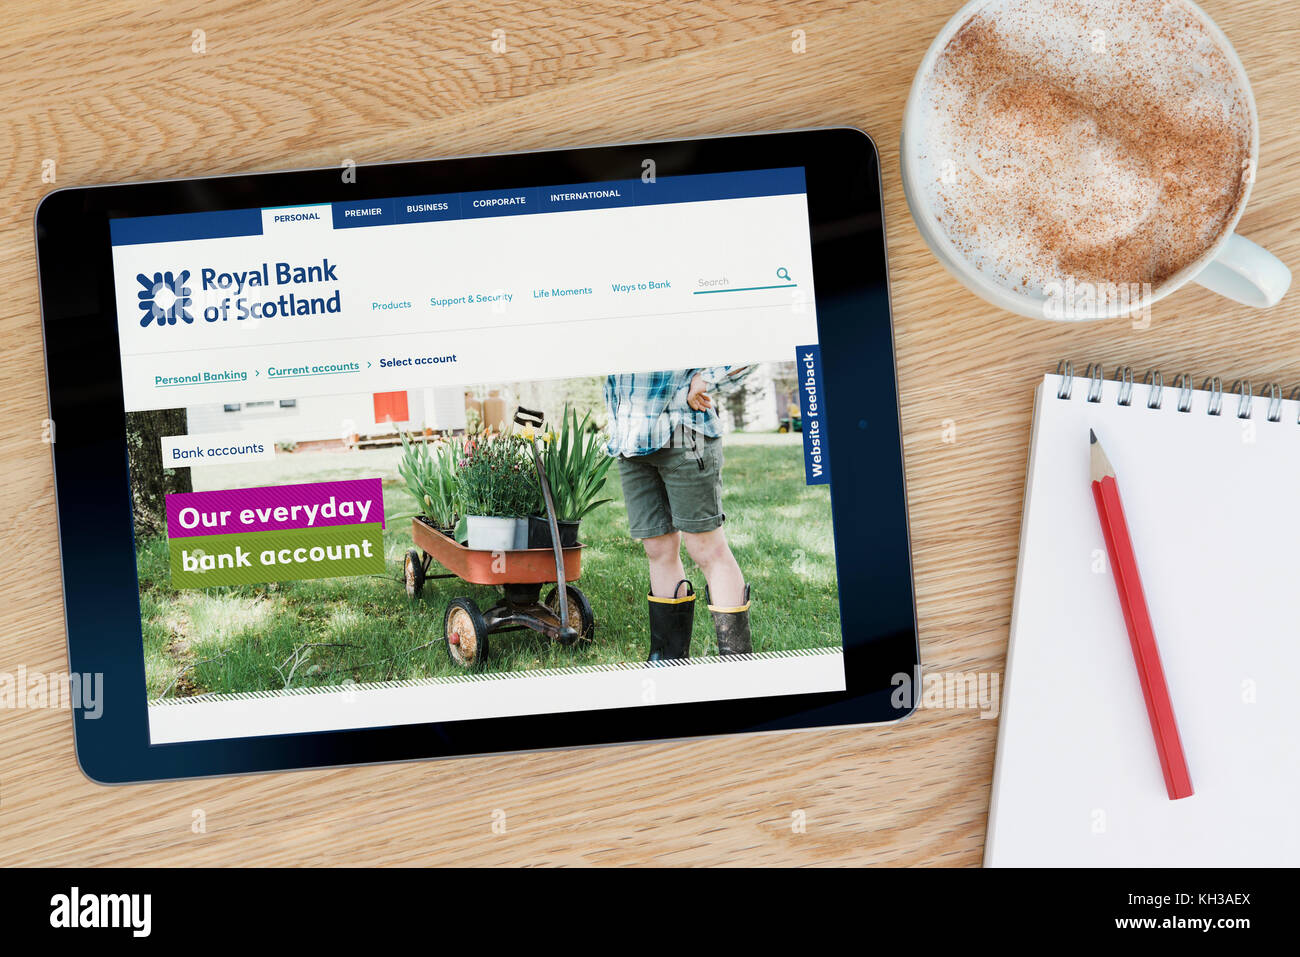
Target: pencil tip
[[1099, 464]]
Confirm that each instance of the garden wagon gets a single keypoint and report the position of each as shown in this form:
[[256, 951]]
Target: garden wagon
[[520, 573]]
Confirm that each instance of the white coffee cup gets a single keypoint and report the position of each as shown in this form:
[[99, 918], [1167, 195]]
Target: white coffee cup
[[1233, 266]]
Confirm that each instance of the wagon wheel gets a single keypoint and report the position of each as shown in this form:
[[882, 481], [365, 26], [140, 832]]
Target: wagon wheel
[[413, 572], [466, 633], [581, 619]]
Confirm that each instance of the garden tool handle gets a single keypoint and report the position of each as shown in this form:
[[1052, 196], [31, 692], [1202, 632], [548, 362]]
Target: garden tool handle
[[529, 417]]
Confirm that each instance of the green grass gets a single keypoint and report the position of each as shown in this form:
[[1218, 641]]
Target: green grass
[[296, 634]]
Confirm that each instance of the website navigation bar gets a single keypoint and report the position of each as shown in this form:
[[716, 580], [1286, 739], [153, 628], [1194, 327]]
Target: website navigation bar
[[526, 200]]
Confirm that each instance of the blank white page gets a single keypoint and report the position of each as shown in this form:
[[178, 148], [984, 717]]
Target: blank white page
[[1213, 509]]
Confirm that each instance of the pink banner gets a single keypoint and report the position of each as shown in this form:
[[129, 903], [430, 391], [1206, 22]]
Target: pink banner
[[275, 507]]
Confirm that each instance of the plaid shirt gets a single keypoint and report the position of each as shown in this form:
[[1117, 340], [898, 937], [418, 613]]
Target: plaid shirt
[[646, 408]]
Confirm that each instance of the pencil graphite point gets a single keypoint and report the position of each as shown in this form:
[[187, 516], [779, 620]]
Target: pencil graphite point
[[1098, 462]]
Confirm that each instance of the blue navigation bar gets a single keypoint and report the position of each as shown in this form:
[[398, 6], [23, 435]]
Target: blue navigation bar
[[702, 187], [709, 186], [178, 227]]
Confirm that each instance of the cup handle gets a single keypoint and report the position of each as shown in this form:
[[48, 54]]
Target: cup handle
[[1247, 273]]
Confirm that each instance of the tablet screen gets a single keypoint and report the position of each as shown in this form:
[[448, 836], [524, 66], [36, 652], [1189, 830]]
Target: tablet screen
[[340, 521]]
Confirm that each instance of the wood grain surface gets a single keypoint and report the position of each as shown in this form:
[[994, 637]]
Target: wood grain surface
[[110, 91]]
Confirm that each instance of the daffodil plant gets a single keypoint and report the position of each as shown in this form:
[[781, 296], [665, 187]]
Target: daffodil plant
[[429, 470], [576, 466]]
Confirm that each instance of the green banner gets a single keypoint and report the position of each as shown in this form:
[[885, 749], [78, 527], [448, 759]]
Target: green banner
[[248, 558]]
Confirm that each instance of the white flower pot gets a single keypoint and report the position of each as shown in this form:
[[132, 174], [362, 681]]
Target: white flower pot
[[490, 534], [521, 533]]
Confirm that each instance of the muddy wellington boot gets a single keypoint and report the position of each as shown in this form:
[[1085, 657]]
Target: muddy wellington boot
[[732, 626], [671, 620]]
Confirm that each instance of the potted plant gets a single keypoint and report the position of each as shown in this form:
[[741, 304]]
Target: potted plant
[[576, 466], [430, 476], [497, 487]]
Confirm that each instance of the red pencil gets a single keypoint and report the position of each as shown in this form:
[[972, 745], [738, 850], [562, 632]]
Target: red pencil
[[1123, 563]]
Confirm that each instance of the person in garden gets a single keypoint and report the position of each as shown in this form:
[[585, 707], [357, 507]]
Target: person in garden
[[666, 436]]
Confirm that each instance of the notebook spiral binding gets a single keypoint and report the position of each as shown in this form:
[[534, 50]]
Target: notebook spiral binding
[[1155, 384]]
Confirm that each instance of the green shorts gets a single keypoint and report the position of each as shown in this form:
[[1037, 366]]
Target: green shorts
[[676, 488]]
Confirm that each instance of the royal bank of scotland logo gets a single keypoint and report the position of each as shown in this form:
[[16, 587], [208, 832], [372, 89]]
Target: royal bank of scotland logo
[[164, 298]]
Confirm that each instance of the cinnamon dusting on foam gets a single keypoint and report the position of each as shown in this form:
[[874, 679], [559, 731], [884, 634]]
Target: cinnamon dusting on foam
[[1100, 139]]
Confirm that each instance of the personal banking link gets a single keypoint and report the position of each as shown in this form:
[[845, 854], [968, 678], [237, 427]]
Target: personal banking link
[[198, 378]]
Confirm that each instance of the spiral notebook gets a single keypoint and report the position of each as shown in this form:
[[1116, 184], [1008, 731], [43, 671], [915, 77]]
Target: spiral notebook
[[1209, 481]]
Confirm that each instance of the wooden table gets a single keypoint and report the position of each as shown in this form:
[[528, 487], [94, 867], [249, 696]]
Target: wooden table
[[111, 90]]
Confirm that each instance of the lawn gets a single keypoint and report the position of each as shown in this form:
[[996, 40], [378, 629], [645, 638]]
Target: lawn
[[301, 634]]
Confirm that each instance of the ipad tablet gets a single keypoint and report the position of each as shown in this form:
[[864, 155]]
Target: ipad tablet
[[300, 420]]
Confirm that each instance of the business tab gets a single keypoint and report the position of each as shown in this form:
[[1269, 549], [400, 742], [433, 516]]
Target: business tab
[[427, 209]]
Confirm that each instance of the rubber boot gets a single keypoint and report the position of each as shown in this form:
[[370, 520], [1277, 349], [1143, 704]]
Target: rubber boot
[[671, 621], [732, 626]]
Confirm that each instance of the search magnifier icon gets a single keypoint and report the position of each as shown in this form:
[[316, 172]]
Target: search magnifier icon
[[783, 273]]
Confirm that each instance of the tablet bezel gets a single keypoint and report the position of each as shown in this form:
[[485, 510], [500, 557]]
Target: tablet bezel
[[101, 596]]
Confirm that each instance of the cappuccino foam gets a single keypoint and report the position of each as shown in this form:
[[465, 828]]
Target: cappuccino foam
[[1106, 141]]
